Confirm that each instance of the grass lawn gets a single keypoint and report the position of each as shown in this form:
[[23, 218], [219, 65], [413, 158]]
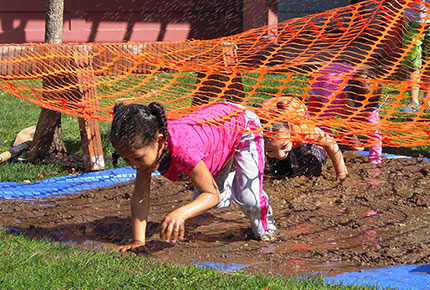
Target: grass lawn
[[42, 264], [21, 114]]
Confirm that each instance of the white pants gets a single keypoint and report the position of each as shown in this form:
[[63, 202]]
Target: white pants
[[242, 180]]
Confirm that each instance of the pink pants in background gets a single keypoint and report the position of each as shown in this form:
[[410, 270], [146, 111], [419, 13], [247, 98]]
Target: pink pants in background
[[317, 107], [375, 137]]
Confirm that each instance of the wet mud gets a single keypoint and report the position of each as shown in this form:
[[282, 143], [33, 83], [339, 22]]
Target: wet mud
[[378, 216]]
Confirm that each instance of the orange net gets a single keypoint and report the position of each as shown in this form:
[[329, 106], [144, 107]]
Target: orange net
[[347, 65]]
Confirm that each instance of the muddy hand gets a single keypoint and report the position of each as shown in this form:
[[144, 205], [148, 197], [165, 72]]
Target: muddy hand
[[131, 247], [172, 227]]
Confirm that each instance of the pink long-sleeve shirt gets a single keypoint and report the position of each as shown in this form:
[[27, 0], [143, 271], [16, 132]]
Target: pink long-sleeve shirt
[[211, 134]]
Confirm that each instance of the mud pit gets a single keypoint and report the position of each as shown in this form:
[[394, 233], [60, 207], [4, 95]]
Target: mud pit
[[376, 217]]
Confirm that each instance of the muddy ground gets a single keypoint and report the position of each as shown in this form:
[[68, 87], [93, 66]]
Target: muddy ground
[[378, 216]]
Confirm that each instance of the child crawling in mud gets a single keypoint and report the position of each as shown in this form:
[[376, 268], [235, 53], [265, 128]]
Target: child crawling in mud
[[362, 105], [341, 89], [219, 147], [292, 146]]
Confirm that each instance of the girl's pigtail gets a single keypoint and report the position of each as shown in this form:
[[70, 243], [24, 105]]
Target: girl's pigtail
[[158, 111], [114, 135], [118, 107]]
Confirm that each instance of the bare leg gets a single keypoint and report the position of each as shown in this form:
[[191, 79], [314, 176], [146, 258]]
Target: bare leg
[[414, 89], [426, 89], [426, 94]]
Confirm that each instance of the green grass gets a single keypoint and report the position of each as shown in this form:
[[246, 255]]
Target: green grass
[[416, 151], [271, 84], [42, 264], [21, 114]]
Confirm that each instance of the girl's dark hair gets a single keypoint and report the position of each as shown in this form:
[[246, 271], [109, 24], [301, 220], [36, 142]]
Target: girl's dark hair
[[137, 125]]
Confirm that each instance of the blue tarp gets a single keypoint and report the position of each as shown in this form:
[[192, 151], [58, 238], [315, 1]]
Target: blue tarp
[[221, 266], [402, 277], [66, 184], [389, 156]]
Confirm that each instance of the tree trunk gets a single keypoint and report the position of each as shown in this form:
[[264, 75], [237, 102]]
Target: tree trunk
[[54, 21], [47, 138]]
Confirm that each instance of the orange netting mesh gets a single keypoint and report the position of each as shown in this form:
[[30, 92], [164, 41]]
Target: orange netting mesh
[[362, 49]]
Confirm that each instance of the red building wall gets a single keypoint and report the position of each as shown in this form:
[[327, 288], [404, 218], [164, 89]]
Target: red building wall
[[123, 20]]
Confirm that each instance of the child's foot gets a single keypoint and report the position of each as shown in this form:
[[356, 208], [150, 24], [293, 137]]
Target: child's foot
[[269, 237], [411, 108]]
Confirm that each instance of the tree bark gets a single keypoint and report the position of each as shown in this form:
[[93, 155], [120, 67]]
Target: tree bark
[[54, 21], [47, 138]]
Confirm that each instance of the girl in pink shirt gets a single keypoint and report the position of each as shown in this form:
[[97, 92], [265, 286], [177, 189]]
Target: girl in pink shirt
[[341, 89], [203, 146]]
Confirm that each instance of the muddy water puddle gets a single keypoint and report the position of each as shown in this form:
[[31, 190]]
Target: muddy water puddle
[[378, 216]]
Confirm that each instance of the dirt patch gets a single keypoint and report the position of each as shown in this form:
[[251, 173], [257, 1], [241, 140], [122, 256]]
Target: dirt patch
[[378, 216]]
